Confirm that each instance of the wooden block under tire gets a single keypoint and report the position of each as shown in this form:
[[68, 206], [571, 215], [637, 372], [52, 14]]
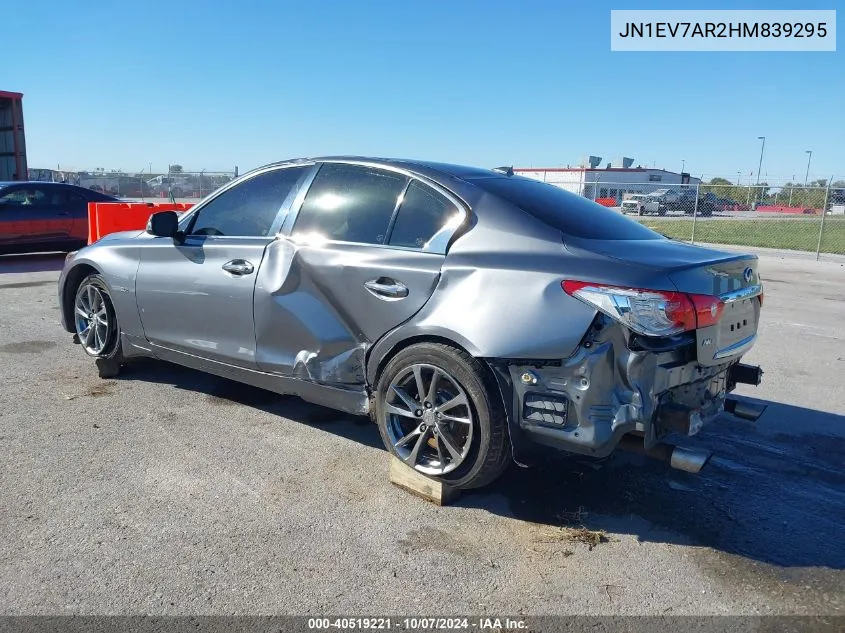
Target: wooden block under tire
[[408, 479]]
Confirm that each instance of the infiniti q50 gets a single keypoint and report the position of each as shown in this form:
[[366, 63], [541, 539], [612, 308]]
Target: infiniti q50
[[472, 313]]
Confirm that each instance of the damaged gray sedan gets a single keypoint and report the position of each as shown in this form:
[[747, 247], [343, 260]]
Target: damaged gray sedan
[[471, 313]]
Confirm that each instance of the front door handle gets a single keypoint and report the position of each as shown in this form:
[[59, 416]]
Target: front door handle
[[385, 288], [238, 267]]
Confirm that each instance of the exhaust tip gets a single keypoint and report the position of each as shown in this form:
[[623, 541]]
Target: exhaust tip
[[744, 409], [689, 460]]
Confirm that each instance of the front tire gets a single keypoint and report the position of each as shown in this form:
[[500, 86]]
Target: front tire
[[96, 325], [439, 411]]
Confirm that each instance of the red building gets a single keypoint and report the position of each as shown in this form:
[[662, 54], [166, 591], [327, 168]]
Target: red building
[[12, 141]]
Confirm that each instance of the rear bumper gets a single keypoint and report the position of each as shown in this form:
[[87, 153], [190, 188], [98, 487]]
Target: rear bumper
[[587, 403]]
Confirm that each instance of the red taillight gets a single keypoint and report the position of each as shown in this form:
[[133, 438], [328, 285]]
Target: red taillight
[[649, 312], [570, 286], [708, 310]]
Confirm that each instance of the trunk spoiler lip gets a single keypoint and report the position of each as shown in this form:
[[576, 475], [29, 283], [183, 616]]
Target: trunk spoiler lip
[[718, 257]]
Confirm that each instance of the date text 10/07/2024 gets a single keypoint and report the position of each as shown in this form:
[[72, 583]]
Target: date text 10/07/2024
[[491, 625]]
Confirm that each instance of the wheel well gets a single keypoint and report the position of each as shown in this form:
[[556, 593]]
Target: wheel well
[[74, 278], [404, 344]]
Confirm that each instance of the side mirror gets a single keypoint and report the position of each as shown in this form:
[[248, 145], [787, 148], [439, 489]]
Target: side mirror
[[163, 224]]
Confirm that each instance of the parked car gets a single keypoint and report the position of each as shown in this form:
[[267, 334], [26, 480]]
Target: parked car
[[728, 204], [640, 204], [471, 313], [707, 203], [42, 216], [657, 202]]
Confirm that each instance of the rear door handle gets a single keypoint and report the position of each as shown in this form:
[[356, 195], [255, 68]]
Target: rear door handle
[[385, 288], [238, 267]]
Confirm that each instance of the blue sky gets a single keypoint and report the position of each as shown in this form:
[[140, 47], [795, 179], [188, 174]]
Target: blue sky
[[211, 85]]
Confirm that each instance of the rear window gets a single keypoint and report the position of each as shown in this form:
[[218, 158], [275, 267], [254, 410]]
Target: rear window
[[568, 212]]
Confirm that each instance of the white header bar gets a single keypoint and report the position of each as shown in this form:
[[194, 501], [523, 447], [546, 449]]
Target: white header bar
[[722, 30]]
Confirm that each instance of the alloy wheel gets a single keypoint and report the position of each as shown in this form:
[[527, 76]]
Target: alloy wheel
[[92, 319], [429, 420]]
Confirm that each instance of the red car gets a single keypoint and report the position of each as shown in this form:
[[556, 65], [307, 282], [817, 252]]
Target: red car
[[45, 216]]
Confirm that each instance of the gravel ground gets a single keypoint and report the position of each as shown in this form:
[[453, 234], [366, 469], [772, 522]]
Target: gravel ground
[[170, 492]]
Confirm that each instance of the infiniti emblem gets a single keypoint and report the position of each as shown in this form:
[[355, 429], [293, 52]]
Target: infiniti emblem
[[748, 274]]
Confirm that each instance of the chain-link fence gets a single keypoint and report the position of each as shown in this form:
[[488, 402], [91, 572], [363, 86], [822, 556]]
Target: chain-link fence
[[178, 186], [789, 217], [785, 217]]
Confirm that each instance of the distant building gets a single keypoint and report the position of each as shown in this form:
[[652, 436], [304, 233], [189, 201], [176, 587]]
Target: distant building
[[608, 182], [12, 139]]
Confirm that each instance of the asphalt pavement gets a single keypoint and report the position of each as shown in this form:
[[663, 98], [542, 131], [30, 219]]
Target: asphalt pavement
[[167, 491]]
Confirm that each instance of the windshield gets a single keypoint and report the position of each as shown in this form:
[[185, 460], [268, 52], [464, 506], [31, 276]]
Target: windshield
[[568, 212]]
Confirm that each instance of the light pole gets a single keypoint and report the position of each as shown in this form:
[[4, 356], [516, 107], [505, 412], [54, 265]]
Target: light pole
[[760, 164], [809, 153], [738, 178], [683, 162]]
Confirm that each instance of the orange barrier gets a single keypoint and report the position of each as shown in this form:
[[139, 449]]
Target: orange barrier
[[785, 209], [111, 217], [607, 202]]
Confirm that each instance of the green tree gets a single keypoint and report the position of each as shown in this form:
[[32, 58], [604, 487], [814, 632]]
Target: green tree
[[726, 190], [797, 195]]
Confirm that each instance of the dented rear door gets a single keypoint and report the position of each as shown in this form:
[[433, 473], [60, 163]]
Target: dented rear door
[[359, 255], [318, 308]]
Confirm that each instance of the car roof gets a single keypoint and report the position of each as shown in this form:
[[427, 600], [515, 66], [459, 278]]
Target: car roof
[[432, 169], [37, 182]]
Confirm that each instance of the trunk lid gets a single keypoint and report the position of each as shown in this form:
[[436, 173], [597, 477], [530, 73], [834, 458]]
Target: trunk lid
[[732, 277]]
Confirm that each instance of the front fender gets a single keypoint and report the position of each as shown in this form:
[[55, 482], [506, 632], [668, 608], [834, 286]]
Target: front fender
[[118, 264]]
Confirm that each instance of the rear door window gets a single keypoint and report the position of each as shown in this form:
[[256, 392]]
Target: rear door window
[[422, 215], [350, 203], [76, 200], [565, 211]]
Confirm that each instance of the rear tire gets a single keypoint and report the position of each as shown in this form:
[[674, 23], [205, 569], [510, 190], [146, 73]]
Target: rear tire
[[96, 325], [455, 431]]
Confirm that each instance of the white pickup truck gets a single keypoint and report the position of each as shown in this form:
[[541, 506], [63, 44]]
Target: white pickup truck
[[641, 204], [656, 202]]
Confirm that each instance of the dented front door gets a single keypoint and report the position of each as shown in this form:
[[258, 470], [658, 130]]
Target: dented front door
[[318, 308]]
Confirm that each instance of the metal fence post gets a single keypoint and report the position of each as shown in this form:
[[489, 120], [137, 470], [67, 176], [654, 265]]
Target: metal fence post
[[824, 213], [695, 210]]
